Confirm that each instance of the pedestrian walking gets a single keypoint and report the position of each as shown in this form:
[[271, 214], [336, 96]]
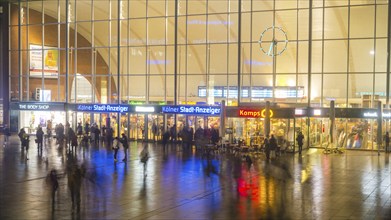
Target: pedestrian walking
[[39, 138], [267, 147], [273, 145], [299, 139], [387, 140], [144, 156], [7, 134], [74, 184], [125, 144], [115, 147], [52, 180]]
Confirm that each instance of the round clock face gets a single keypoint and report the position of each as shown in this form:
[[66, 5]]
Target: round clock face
[[273, 41]]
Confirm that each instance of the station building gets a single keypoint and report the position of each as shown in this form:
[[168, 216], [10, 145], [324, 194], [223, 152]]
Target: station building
[[141, 66]]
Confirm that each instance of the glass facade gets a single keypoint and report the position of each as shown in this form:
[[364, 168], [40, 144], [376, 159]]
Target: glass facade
[[184, 51]]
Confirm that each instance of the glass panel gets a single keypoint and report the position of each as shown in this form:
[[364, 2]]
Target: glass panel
[[14, 36], [101, 40], [217, 28], [84, 61], [217, 6], [303, 25], [316, 86], [139, 86], [381, 21], [334, 88], [83, 34], [196, 26], [51, 11], [196, 59], [14, 89], [360, 85], [34, 13], [51, 35], [287, 20], [316, 57], [381, 85], [137, 60], [137, 32], [101, 59], [137, 8], [196, 7], [170, 23], [336, 23], [336, 2], [362, 20], [102, 85], [156, 60], [156, 88], [83, 10], [381, 55], [62, 4], [101, 10], [317, 23], [361, 55], [303, 57], [114, 10], [156, 8], [261, 21], [246, 27], [232, 58], [170, 59], [260, 62], [124, 32], [114, 33], [233, 29], [286, 62], [35, 35], [156, 31], [218, 58], [335, 56]]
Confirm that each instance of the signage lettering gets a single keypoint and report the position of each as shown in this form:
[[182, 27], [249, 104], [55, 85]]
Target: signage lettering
[[103, 108], [34, 106], [254, 113], [195, 110], [370, 114]]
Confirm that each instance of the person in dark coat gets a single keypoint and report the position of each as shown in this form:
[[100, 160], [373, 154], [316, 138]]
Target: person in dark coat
[[125, 144], [39, 136], [299, 139], [273, 143], [165, 139]]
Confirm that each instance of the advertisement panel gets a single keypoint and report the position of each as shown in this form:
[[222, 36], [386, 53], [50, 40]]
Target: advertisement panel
[[48, 57]]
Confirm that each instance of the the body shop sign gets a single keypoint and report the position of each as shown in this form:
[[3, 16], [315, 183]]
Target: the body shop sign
[[102, 108], [192, 110], [38, 106], [251, 113]]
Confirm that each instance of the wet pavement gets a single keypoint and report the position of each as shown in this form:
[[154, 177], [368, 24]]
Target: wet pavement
[[181, 183]]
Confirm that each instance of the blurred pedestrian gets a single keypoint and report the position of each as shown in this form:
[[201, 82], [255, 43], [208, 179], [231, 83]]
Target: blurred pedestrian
[[7, 133], [144, 156], [39, 138], [115, 147], [299, 139], [125, 144], [52, 180], [75, 175], [273, 145]]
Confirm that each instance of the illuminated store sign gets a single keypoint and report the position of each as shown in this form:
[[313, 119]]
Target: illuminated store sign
[[300, 112], [145, 109], [374, 114], [102, 108], [254, 113], [317, 112], [38, 106], [195, 110]]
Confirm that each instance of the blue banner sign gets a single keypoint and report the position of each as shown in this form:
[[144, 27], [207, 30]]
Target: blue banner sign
[[191, 110], [102, 108]]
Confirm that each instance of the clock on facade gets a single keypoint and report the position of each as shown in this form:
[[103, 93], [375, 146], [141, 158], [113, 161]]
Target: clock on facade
[[273, 41]]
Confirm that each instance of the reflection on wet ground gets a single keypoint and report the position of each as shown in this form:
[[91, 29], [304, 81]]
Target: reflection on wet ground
[[181, 183]]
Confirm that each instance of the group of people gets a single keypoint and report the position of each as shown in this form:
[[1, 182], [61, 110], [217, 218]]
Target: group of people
[[271, 146], [187, 135]]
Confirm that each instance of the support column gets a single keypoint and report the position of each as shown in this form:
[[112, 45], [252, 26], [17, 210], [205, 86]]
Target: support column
[[267, 119], [222, 119], [332, 123], [379, 126]]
